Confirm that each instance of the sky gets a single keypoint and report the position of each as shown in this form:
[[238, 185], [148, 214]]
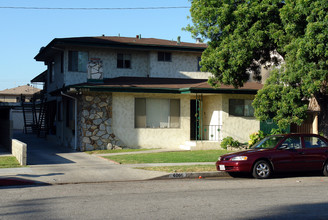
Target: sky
[[25, 31]]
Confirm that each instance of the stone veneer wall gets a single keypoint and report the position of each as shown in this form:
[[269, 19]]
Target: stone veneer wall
[[95, 121]]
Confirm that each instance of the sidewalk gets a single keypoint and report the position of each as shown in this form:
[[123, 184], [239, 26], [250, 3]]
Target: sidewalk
[[49, 163]]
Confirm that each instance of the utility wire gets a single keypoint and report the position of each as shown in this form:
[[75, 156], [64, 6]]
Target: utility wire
[[138, 8]]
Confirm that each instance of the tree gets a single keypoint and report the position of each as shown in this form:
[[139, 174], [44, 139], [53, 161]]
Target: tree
[[240, 37], [243, 35]]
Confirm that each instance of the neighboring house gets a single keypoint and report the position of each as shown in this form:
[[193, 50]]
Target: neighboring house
[[141, 93], [16, 94]]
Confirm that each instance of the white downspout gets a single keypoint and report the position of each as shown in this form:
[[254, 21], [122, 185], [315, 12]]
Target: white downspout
[[75, 112]]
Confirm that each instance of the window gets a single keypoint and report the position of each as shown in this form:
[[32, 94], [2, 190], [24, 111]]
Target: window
[[157, 113], [77, 61], [291, 143], [123, 60], [241, 107], [314, 142], [164, 56], [198, 63]]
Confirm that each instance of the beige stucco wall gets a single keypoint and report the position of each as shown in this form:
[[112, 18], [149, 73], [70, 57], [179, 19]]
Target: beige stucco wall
[[143, 64], [237, 127], [212, 107], [216, 112], [183, 65], [123, 123], [8, 98]]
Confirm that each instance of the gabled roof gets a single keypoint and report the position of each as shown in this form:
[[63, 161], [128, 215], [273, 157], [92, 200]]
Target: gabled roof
[[165, 85], [25, 90], [118, 42]]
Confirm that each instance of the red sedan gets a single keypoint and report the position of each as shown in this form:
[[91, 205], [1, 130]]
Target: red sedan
[[279, 153]]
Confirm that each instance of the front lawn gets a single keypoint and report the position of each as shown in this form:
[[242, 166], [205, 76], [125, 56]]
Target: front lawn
[[115, 151], [9, 162], [169, 157]]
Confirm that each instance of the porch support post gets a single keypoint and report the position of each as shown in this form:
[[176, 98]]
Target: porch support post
[[315, 123]]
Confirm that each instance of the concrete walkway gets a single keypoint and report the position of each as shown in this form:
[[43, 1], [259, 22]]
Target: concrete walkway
[[49, 163]]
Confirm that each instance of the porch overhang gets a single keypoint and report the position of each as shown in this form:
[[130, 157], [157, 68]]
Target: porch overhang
[[161, 85]]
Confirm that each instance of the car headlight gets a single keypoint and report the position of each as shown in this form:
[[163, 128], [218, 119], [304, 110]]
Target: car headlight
[[239, 158], [219, 159]]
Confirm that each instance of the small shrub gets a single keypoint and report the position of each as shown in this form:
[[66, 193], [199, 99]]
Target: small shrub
[[255, 137], [229, 141], [277, 131]]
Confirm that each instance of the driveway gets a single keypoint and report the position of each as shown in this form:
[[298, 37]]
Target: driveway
[[55, 164]]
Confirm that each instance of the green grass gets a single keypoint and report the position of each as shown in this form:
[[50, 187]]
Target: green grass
[[9, 162], [182, 169], [114, 151], [170, 157]]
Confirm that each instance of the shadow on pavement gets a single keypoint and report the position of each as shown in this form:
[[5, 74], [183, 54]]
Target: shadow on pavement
[[13, 181], [40, 151], [30, 175]]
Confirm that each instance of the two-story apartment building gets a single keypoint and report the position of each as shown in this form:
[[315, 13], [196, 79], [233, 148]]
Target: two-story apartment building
[[140, 92]]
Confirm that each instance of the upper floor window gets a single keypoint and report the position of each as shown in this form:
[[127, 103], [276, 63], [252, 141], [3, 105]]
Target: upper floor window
[[77, 61], [241, 107], [198, 63], [164, 56], [123, 60]]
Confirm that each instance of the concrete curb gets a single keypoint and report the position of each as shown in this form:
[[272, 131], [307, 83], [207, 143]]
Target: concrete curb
[[195, 175]]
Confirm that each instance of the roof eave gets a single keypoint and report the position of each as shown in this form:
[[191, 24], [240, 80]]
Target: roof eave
[[42, 55], [94, 88]]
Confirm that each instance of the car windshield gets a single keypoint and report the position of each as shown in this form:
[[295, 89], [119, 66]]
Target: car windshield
[[268, 142]]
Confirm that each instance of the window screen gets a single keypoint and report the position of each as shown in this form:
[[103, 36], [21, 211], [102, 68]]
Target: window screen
[[77, 61], [241, 107], [157, 113]]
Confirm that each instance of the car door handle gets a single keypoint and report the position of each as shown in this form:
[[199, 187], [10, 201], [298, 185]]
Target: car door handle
[[302, 153]]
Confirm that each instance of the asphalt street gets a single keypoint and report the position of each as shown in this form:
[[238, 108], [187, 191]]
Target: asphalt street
[[216, 198]]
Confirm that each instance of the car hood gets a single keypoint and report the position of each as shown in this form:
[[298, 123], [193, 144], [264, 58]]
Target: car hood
[[245, 153]]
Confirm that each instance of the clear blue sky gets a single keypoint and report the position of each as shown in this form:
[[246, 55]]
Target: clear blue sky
[[24, 32]]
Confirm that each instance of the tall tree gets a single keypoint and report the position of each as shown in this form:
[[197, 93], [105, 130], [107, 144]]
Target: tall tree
[[243, 35], [240, 34]]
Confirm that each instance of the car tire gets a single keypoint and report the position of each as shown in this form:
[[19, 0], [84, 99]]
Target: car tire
[[262, 170], [325, 169]]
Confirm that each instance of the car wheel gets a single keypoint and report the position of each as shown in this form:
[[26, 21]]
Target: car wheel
[[325, 169], [262, 170]]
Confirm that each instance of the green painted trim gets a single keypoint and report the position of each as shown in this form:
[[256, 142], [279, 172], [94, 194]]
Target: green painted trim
[[127, 89], [222, 91], [164, 90]]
